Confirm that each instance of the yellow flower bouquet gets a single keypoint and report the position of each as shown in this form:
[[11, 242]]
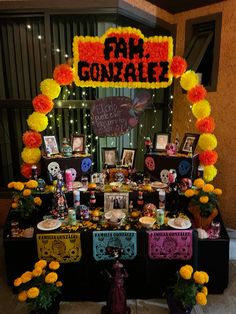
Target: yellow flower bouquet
[[189, 289], [40, 287], [24, 204]]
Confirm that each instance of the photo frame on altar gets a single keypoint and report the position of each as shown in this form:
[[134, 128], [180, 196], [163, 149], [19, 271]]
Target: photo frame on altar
[[189, 143], [78, 143], [160, 141], [116, 201], [109, 156], [128, 157], [50, 145]]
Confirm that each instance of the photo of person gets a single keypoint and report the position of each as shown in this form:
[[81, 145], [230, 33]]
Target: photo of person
[[78, 143], [51, 146], [116, 201], [110, 157], [128, 157], [188, 145], [160, 142]]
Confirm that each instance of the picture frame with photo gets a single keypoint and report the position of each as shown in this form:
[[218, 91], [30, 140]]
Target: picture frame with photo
[[116, 201], [78, 143], [189, 143], [128, 157], [109, 156], [160, 141], [50, 145]]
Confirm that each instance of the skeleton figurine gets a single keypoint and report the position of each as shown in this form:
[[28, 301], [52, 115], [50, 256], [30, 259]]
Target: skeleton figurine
[[60, 207], [173, 192]]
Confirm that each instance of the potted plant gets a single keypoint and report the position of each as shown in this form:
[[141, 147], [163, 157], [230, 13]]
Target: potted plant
[[40, 288], [188, 290], [203, 202]]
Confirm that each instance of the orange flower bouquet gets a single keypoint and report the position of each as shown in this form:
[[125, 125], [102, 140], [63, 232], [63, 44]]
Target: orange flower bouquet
[[40, 287]]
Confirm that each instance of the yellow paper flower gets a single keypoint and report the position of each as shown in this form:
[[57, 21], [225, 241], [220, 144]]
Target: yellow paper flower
[[31, 184], [37, 121], [17, 282], [199, 277], [11, 185], [59, 284], [26, 192], [199, 183], [22, 296], [14, 205], [205, 290], [185, 272], [205, 275], [208, 188], [201, 298], [41, 263], [188, 80], [37, 272], [33, 292], [189, 193], [204, 199], [27, 276], [19, 186], [54, 265], [217, 191], [50, 88], [207, 141], [31, 155], [201, 109], [38, 201], [209, 173], [51, 277]]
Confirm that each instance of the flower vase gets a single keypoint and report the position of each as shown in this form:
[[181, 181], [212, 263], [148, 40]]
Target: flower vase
[[174, 306], [202, 222]]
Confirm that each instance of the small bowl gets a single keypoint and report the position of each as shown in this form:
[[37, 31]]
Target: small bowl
[[147, 222]]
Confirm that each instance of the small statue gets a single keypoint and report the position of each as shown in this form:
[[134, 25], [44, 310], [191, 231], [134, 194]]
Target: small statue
[[60, 206], [66, 148], [148, 144]]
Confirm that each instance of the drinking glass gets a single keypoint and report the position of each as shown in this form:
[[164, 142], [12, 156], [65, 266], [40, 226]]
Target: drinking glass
[[215, 229]]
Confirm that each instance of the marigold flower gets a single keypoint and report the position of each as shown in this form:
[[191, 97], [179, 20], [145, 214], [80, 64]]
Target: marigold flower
[[205, 290], [59, 284], [190, 268], [51, 277], [41, 263], [19, 186], [17, 282], [27, 192], [11, 185], [201, 298], [37, 272], [32, 184], [189, 193], [38, 201], [208, 188], [204, 199], [33, 292], [199, 277], [217, 191], [54, 265], [22, 296], [185, 272], [14, 205], [199, 183], [205, 275], [27, 276]]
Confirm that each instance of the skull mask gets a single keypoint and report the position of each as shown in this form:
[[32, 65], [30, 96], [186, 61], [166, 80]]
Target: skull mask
[[172, 175], [53, 168], [150, 163], [171, 149], [164, 176], [73, 172]]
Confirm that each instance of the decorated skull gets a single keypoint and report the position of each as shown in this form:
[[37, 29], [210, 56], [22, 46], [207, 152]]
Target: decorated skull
[[150, 163], [164, 176], [74, 173], [185, 184], [172, 175], [171, 149], [86, 164], [184, 167], [53, 169]]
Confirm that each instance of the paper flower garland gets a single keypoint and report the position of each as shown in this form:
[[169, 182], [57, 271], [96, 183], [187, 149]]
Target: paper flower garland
[[207, 141], [37, 121], [31, 155], [43, 104], [196, 93], [209, 173], [26, 170], [178, 66], [205, 125], [188, 80], [32, 139], [209, 157], [201, 109], [50, 88], [63, 74]]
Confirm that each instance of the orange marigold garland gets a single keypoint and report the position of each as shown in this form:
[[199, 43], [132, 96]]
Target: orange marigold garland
[[205, 125], [42, 103], [196, 93], [209, 157], [178, 66], [63, 74], [32, 139]]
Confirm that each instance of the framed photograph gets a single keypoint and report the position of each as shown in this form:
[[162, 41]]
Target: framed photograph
[[189, 143], [160, 141], [109, 156], [78, 143], [50, 144], [116, 201], [128, 157]]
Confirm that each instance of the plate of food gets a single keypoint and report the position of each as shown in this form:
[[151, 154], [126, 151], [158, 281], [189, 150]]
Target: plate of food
[[49, 224], [179, 223], [158, 185]]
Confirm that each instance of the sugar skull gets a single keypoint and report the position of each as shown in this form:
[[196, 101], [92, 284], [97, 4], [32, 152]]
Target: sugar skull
[[53, 168], [86, 164], [150, 163], [185, 184], [171, 149], [74, 173], [172, 175], [164, 175], [184, 167]]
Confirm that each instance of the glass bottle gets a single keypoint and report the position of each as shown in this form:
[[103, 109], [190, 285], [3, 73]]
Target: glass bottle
[[66, 149], [140, 200], [92, 200]]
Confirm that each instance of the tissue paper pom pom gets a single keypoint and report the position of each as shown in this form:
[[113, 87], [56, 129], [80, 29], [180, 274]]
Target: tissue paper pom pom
[[50, 88], [205, 125], [201, 109], [42, 103], [207, 141], [32, 139], [26, 170], [63, 74], [196, 93], [31, 155], [208, 157], [209, 173], [188, 80], [178, 66], [37, 121]]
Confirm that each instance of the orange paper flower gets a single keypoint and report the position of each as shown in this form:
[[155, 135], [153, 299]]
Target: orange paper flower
[[205, 125], [42, 103], [178, 66], [197, 93], [32, 139], [63, 74], [209, 157]]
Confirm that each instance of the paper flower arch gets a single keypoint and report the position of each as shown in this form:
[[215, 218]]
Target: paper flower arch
[[64, 75]]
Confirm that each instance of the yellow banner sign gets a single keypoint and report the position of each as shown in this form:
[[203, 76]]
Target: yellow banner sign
[[64, 247]]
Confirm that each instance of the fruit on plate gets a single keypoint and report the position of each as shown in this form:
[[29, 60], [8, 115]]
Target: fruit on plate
[[92, 186], [135, 214]]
